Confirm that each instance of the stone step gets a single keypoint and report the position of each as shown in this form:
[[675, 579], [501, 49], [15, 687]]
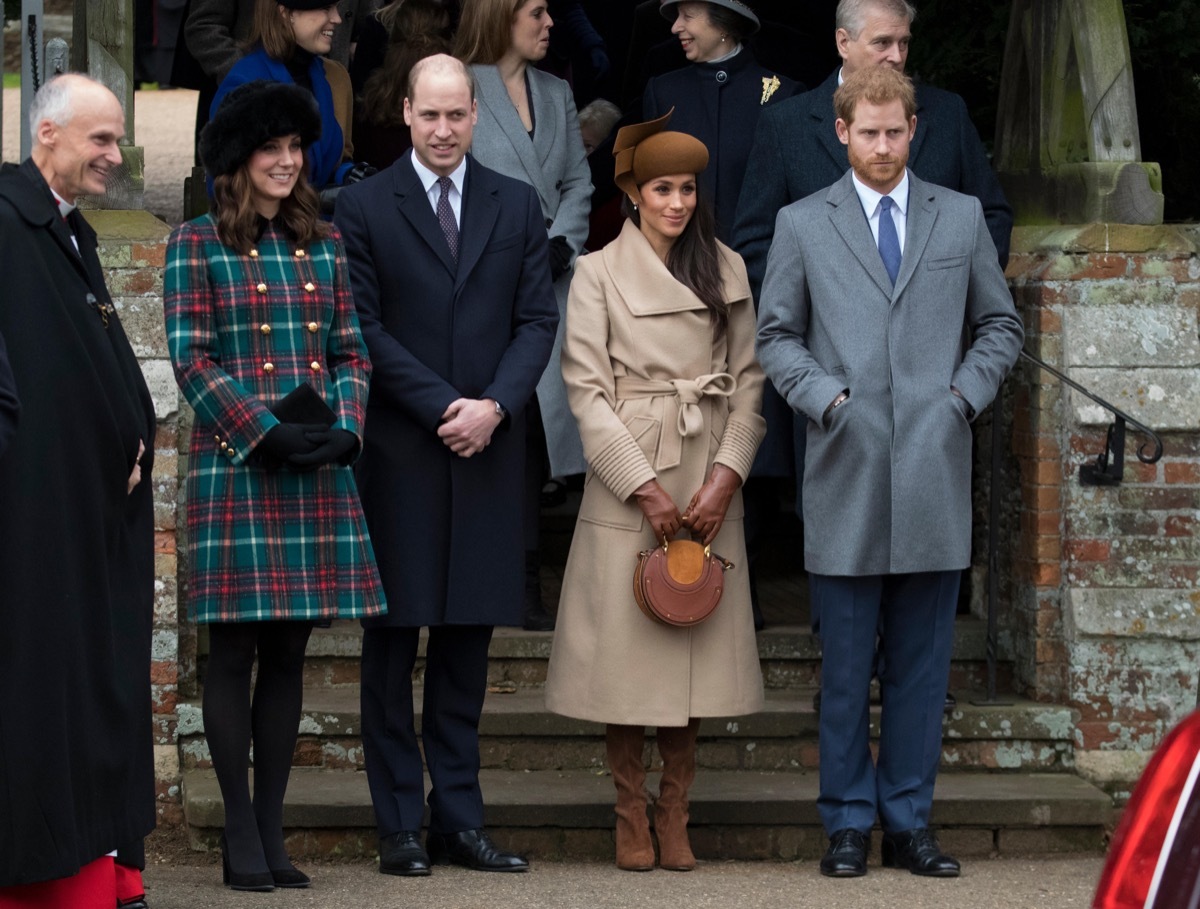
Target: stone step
[[790, 657], [734, 814], [518, 733]]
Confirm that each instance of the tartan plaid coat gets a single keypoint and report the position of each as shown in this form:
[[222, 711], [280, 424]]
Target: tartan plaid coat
[[243, 331]]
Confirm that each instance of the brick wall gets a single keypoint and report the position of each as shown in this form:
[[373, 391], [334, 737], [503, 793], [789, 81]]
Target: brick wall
[[1105, 606], [133, 251]]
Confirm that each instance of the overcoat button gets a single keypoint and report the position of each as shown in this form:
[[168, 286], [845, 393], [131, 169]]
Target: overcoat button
[[265, 328], [315, 366], [310, 287], [299, 254], [262, 288], [722, 76], [313, 326], [268, 367]]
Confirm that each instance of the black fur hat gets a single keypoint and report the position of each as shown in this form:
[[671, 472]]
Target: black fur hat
[[249, 116]]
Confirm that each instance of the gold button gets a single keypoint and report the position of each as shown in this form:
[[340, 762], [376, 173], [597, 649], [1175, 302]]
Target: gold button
[[229, 452], [313, 326], [224, 446], [254, 254], [310, 287], [299, 254], [216, 438], [315, 366], [268, 367], [265, 328], [262, 288]]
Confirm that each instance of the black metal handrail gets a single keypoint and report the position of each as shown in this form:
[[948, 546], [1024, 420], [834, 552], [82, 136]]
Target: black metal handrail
[[1108, 470]]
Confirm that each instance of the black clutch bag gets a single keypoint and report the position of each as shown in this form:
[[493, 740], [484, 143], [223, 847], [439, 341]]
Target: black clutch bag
[[303, 405]]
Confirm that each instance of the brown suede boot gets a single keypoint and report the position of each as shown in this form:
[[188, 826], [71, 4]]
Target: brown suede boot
[[635, 851], [677, 745]]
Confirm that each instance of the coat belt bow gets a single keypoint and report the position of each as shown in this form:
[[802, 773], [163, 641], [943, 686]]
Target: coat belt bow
[[684, 395]]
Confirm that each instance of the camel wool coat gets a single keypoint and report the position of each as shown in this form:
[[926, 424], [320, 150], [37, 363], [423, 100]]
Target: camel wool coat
[[655, 396]]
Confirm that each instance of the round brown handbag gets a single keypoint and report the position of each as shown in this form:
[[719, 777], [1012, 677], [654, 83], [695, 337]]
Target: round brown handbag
[[679, 583]]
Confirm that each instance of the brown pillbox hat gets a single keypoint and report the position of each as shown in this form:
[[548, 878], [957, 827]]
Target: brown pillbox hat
[[644, 151]]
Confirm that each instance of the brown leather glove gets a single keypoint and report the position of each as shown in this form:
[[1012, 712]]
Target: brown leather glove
[[706, 511], [659, 510]]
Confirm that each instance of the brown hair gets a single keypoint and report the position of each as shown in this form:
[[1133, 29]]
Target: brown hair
[[693, 259], [420, 28], [272, 31], [875, 85], [485, 30], [237, 219]]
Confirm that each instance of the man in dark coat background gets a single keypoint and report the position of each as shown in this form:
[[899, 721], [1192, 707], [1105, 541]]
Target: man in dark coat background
[[76, 522], [451, 277]]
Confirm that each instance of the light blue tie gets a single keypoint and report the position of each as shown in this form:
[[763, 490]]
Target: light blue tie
[[889, 242]]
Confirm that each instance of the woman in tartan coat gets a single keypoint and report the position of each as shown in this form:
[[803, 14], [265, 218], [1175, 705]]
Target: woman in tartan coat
[[258, 304]]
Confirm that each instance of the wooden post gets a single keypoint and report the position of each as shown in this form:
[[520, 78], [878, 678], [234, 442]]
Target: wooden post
[[1067, 144], [102, 47]]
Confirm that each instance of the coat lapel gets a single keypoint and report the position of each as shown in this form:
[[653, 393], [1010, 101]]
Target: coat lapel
[[922, 213], [494, 96], [414, 206], [642, 280], [851, 223], [481, 208], [824, 119]]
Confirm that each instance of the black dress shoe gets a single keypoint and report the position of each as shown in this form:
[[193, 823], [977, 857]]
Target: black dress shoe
[[137, 902], [257, 881], [847, 854], [290, 878], [472, 849], [401, 854], [919, 852]]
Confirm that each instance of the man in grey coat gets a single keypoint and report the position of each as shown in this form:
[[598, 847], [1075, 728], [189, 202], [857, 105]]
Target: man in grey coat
[[868, 287]]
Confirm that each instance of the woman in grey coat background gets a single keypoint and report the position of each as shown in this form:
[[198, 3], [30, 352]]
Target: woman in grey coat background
[[528, 129]]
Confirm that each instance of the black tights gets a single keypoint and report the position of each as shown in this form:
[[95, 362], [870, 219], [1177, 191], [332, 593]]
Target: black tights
[[254, 828]]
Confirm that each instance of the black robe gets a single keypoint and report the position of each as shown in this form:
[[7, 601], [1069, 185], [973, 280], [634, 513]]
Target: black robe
[[76, 554], [10, 404]]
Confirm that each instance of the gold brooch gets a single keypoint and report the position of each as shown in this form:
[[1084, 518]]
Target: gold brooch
[[769, 87]]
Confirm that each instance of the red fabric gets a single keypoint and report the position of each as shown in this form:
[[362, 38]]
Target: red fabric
[[94, 887], [129, 883]]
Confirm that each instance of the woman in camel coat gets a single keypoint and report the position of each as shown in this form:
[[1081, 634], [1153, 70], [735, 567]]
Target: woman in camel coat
[[666, 391]]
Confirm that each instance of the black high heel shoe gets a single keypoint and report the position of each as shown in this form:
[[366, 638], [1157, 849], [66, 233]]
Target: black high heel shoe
[[258, 881], [290, 877]]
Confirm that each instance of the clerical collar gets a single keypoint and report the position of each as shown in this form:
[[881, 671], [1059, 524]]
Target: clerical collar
[[64, 207]]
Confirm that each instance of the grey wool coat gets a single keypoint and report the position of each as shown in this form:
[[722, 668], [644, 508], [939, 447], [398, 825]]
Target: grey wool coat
[[640, 362], [887, 484], [554, 163]]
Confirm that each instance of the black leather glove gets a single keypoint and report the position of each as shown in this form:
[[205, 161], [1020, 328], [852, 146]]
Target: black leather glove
[[283, 441], [560, 257], [333, 446], [360, 171]]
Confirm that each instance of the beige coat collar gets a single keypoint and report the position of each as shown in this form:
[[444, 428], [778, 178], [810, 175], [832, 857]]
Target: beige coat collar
[[645, 285]]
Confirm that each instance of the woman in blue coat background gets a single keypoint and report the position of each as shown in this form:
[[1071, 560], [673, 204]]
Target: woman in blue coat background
[[289, 40], [718, 97]]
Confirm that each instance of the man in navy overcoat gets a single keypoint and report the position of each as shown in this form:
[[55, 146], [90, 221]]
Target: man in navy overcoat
[[451, 277]]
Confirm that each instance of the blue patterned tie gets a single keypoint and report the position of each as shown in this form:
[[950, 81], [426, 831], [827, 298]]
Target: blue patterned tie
[[889, 242], [445, 216]]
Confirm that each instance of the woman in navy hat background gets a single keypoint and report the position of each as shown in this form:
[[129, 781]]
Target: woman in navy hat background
[[717, 98]]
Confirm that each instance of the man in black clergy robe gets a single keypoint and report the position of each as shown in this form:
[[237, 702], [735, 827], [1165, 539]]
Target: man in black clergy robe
[[76, 523]]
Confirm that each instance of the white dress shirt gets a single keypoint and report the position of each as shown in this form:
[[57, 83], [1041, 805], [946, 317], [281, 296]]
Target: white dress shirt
[[434, 192], [870, 203]]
